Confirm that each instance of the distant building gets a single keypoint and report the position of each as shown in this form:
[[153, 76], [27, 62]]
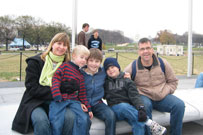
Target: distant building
[[174, 50], [18, 43]]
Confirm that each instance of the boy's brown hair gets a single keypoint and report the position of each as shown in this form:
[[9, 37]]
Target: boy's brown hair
[[95, 54]]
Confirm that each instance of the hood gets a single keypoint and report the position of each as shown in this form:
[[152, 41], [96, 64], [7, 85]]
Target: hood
[[36, 57]]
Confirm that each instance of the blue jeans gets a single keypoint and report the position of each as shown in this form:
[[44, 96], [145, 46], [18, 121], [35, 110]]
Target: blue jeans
[[41, 124], [104, 112], [125, 111], [56, 115], [171, 104], [199, 81]]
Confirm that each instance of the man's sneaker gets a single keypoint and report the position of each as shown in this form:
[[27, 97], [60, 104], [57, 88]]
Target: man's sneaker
[[157, 129]]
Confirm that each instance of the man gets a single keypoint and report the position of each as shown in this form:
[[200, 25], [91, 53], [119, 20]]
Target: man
[[157, 86], [95, 41], [82, 35]]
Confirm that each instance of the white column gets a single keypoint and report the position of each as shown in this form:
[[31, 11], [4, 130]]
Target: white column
[[74, 23], [189, 70]]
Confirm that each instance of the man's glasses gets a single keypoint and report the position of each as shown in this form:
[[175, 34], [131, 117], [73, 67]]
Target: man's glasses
[[147, 48]]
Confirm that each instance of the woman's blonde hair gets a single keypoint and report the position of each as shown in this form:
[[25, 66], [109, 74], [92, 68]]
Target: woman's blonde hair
[[60, 37]]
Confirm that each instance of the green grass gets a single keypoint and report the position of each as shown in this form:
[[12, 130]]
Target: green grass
[[10, 64], [179, 63]]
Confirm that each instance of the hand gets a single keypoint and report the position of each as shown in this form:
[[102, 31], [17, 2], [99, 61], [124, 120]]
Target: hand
[[90, 115], [127, 75], [84, 108], [142, 116]]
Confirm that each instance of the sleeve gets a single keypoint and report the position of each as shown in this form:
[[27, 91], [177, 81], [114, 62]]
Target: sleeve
[[82, 95], [105, 89], [89, 44], [81, 38], [171, 80], [133, 94], [100, 46], [129, 69], [33, 88], [56, 83]]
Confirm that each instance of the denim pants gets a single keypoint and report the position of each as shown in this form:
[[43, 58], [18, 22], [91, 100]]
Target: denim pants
[[104, 112], [125, 111], [56, 115], [41, 124], [171, 104], [199, 81]]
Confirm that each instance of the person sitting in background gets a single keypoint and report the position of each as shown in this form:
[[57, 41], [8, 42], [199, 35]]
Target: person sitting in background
[[199, 81]]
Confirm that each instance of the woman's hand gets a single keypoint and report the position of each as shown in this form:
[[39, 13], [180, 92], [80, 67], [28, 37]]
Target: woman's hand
[[84, 108]]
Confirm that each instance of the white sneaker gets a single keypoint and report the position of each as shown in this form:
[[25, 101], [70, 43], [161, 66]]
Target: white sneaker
[[157, 129]]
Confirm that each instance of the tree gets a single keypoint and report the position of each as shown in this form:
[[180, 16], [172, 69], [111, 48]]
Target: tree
[[25, 27], [166, 37], [7, 30]]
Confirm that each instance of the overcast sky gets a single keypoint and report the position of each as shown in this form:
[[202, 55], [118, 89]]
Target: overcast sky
[[136, 18]]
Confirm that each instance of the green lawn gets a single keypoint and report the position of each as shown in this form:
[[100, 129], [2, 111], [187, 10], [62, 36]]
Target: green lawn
[[10, 64]]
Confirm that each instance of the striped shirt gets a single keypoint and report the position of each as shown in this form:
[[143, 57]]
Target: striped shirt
[[67, 72]]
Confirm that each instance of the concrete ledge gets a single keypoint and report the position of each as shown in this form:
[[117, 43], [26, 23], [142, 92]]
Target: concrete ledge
[[193, 112]]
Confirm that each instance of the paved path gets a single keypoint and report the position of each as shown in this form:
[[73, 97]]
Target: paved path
[[11, 92]]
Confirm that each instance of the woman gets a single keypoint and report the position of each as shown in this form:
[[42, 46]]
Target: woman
[[32, 112]]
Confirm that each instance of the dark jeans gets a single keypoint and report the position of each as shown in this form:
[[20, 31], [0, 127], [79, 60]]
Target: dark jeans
[[104, 112], [171, 104], [41, 124]]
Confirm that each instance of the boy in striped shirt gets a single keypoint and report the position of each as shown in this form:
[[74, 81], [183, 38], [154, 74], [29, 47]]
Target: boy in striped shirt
[[68, 90]]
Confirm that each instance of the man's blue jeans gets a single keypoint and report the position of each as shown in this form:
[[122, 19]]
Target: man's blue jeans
[[199, 81], [56, 116], [171, 104], [41, 124], [125, 111], [104, 112]]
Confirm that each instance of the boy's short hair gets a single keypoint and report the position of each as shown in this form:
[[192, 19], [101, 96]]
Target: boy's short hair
[[80, 49], [94, 31], [111, 62], [85, 24], [95, 54]]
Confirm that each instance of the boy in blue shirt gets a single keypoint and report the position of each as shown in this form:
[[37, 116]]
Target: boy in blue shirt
[[94, 80]]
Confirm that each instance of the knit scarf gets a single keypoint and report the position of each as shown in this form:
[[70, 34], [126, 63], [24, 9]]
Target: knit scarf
[[48, 70]]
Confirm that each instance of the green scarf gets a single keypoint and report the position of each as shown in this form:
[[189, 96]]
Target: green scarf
[[48, 71]]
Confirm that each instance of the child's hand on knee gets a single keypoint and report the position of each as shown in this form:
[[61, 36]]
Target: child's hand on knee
[[91, 115], [84, 108]]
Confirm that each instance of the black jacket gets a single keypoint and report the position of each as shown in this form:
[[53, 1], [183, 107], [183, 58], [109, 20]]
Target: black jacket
[[95, 43], [121, 90], [34, 95]]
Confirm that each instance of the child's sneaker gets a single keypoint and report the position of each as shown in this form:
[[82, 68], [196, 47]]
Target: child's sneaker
[[157, 129]]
